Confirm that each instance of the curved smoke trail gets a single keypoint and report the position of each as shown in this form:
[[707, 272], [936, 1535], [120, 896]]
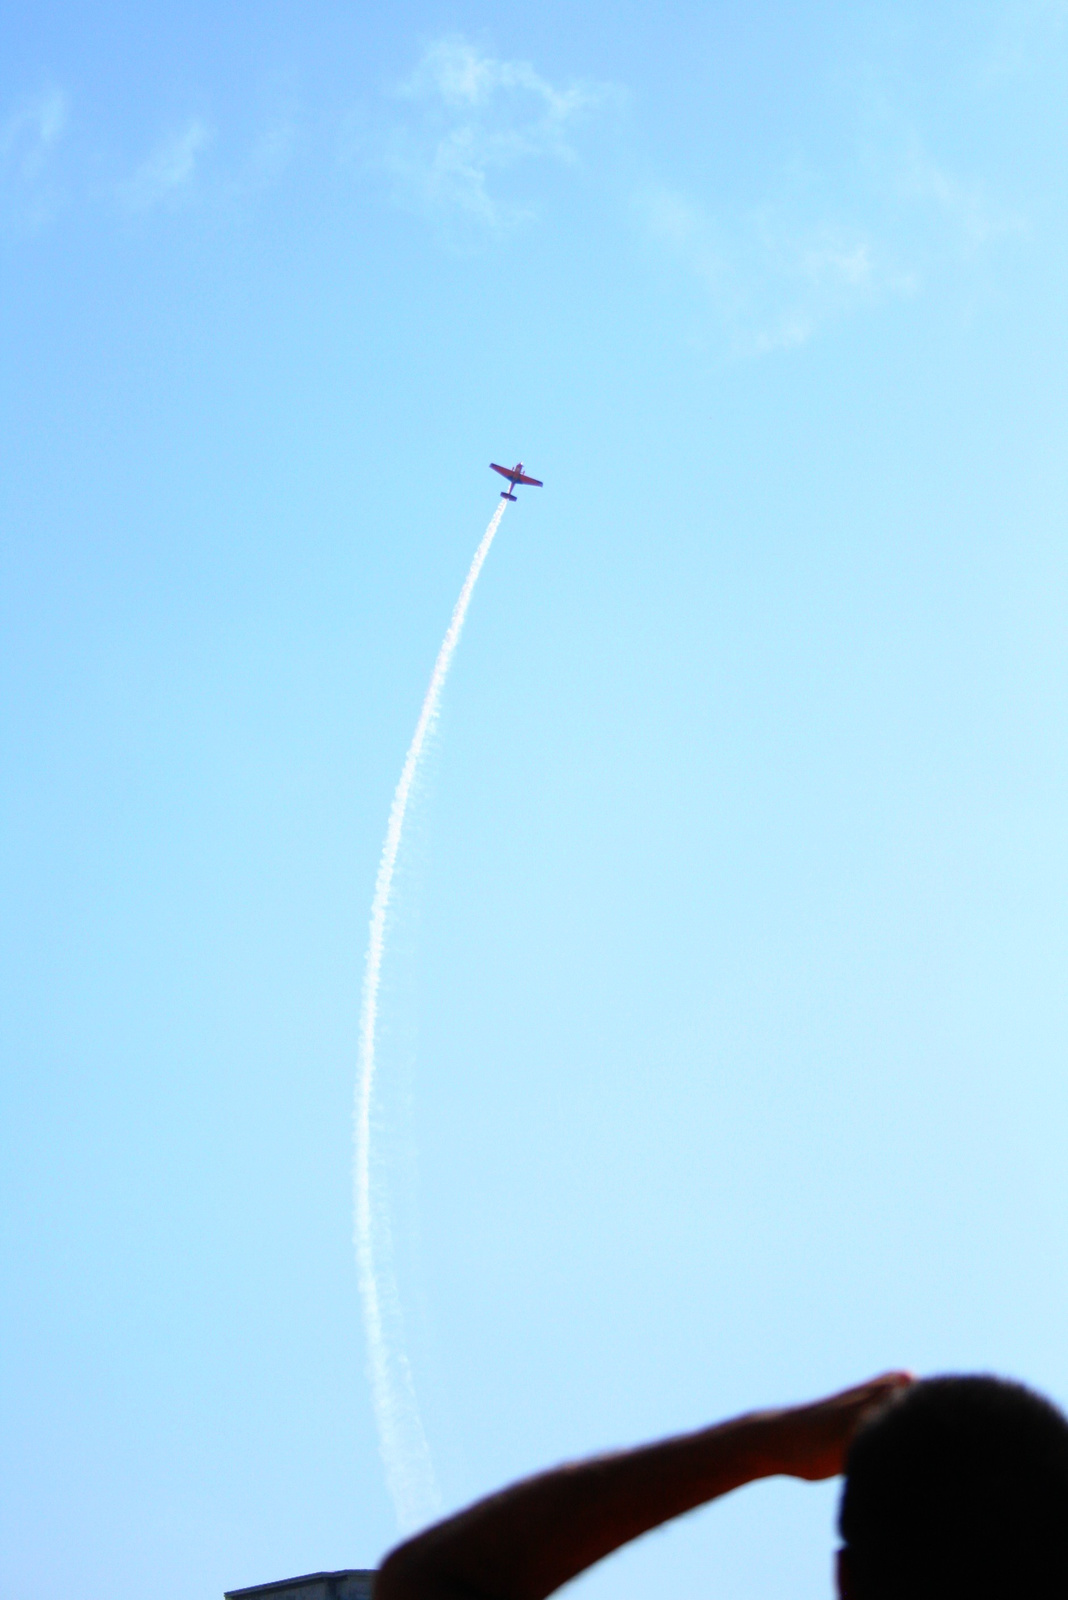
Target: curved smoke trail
[[401, 1439]]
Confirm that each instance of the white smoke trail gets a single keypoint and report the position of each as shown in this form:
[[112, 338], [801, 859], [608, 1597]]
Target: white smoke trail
[[401, 1439]]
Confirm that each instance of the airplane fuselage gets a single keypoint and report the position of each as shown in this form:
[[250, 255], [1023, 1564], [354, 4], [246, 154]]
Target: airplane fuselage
[[515, 475]]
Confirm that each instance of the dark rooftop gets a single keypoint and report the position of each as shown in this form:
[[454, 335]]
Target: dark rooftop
[[354, 1584]]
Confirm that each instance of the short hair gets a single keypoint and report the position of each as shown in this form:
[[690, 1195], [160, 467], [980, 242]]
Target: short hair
[[957, 1489]]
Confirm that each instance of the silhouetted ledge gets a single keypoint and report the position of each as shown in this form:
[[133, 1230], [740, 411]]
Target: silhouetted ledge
[[354, 1585]]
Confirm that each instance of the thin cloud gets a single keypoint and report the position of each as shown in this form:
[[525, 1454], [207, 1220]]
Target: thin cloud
[[36, 129], [773, 281], [1021, 40], [885, 220], [30, 130], [778, 274], [29, 135], [963, 203], [169, 172], [475, 116], [273, 151]]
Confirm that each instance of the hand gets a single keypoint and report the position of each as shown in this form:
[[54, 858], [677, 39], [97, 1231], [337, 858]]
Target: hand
[[811, 1441]]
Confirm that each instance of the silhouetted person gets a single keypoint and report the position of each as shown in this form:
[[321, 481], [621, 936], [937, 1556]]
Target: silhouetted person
[[956, 1489]]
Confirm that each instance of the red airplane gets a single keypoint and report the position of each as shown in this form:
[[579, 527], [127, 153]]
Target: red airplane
[[515, 475]]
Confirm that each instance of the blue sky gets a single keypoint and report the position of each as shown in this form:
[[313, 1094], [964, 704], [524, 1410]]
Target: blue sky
[[724, 1014]]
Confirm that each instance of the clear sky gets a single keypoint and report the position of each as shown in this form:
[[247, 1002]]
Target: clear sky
[[725, 1014]]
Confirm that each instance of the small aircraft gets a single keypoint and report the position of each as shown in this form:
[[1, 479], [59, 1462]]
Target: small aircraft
[[515, 475]]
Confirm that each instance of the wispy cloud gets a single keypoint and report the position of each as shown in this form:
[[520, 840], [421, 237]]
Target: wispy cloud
[[272, 151], [168, 173], [1020, 40], [30, 130], [778, 273], [773, 279], [964, 204], [472, 117], [29, 135], [42, 168]]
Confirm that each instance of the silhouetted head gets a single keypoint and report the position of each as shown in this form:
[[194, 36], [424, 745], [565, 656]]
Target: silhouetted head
[[957, 1489]]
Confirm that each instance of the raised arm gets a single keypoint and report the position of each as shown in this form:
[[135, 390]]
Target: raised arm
[[528, 1539]]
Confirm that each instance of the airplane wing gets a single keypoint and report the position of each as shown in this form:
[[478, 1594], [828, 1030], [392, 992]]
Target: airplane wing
[[505, 472], [535, 483]]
